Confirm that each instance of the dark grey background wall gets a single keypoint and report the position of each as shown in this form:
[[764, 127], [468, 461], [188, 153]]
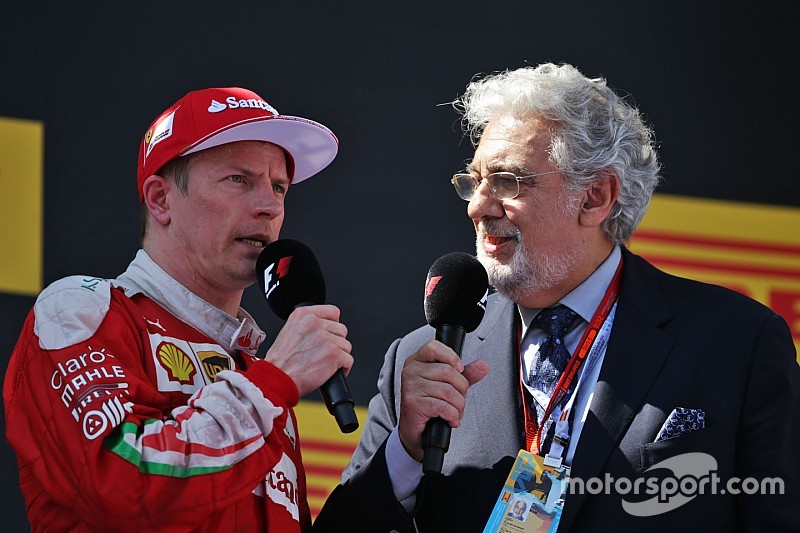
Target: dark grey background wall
[[716, 80]]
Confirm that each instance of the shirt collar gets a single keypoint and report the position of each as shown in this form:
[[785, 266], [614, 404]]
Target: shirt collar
[[232, 333], [585, 298]]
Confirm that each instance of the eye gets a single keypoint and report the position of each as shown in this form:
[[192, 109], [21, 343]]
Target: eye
[[236, 178], [279, 189], [505, 179]]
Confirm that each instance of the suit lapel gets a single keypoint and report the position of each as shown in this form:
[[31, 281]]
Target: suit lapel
[[636, 353], [499, 419]]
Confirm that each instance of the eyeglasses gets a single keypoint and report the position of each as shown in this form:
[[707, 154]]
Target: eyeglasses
[[504, 185]]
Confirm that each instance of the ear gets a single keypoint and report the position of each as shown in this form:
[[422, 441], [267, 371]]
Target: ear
[[599, 198], [155, 190]]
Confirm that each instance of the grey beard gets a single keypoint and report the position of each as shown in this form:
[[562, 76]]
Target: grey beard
[[527, 272]]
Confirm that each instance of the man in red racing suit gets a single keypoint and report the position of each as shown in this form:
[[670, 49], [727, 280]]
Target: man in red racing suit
[[135, 403]]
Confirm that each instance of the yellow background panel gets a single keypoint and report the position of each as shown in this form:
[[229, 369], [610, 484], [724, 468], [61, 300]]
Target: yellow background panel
[[326, 450], [754, 249], [724, 219], [21, 221]]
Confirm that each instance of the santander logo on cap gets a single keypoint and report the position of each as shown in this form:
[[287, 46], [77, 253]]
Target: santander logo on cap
[[216, 107], [233, 103]]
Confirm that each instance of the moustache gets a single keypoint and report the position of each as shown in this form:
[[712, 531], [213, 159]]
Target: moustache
[[498, 228]]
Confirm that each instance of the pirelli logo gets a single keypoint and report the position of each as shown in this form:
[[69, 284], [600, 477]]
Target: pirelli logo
[[753, 249], [326, 450]]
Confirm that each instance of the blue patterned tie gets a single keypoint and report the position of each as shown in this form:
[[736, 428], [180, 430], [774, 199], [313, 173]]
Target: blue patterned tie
[[551, 359]]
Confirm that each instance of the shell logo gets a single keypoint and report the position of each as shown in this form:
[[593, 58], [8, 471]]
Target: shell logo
[[178, 364]]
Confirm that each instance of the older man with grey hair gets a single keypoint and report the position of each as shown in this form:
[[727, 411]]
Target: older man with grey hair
[[588, 356]]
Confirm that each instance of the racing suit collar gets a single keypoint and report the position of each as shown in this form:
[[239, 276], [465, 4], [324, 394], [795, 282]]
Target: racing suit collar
[[232, 333]]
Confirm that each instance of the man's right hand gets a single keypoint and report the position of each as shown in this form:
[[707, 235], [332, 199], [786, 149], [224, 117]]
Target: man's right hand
[[311, 346], [434, 384]]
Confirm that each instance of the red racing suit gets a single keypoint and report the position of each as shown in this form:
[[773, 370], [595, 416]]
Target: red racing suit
[[132, 405]]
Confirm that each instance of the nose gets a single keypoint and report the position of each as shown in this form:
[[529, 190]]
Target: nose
[[483, 204], [267, 202]]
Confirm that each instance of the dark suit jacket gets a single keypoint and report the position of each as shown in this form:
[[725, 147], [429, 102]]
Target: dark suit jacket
[[674, 343]]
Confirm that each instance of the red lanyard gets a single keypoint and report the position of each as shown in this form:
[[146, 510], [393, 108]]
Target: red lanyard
[[533, 434]]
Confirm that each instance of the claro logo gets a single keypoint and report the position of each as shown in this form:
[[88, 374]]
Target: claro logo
[[233, 103]]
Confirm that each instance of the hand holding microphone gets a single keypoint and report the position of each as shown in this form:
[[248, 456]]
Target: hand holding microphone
[[311, 347], [434, 380]]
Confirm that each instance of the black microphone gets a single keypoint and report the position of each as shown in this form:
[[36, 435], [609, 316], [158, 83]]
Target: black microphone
[[290, 277], [455, 301]]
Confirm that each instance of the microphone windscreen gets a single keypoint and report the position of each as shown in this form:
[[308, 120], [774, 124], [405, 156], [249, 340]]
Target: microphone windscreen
[[456, 291], [289, 275]]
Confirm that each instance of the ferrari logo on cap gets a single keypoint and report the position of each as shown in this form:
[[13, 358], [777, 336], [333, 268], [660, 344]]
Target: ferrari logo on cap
[[160, 131]]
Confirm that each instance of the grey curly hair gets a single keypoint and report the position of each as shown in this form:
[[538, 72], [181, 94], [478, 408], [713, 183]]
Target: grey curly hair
[[594, 130]]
